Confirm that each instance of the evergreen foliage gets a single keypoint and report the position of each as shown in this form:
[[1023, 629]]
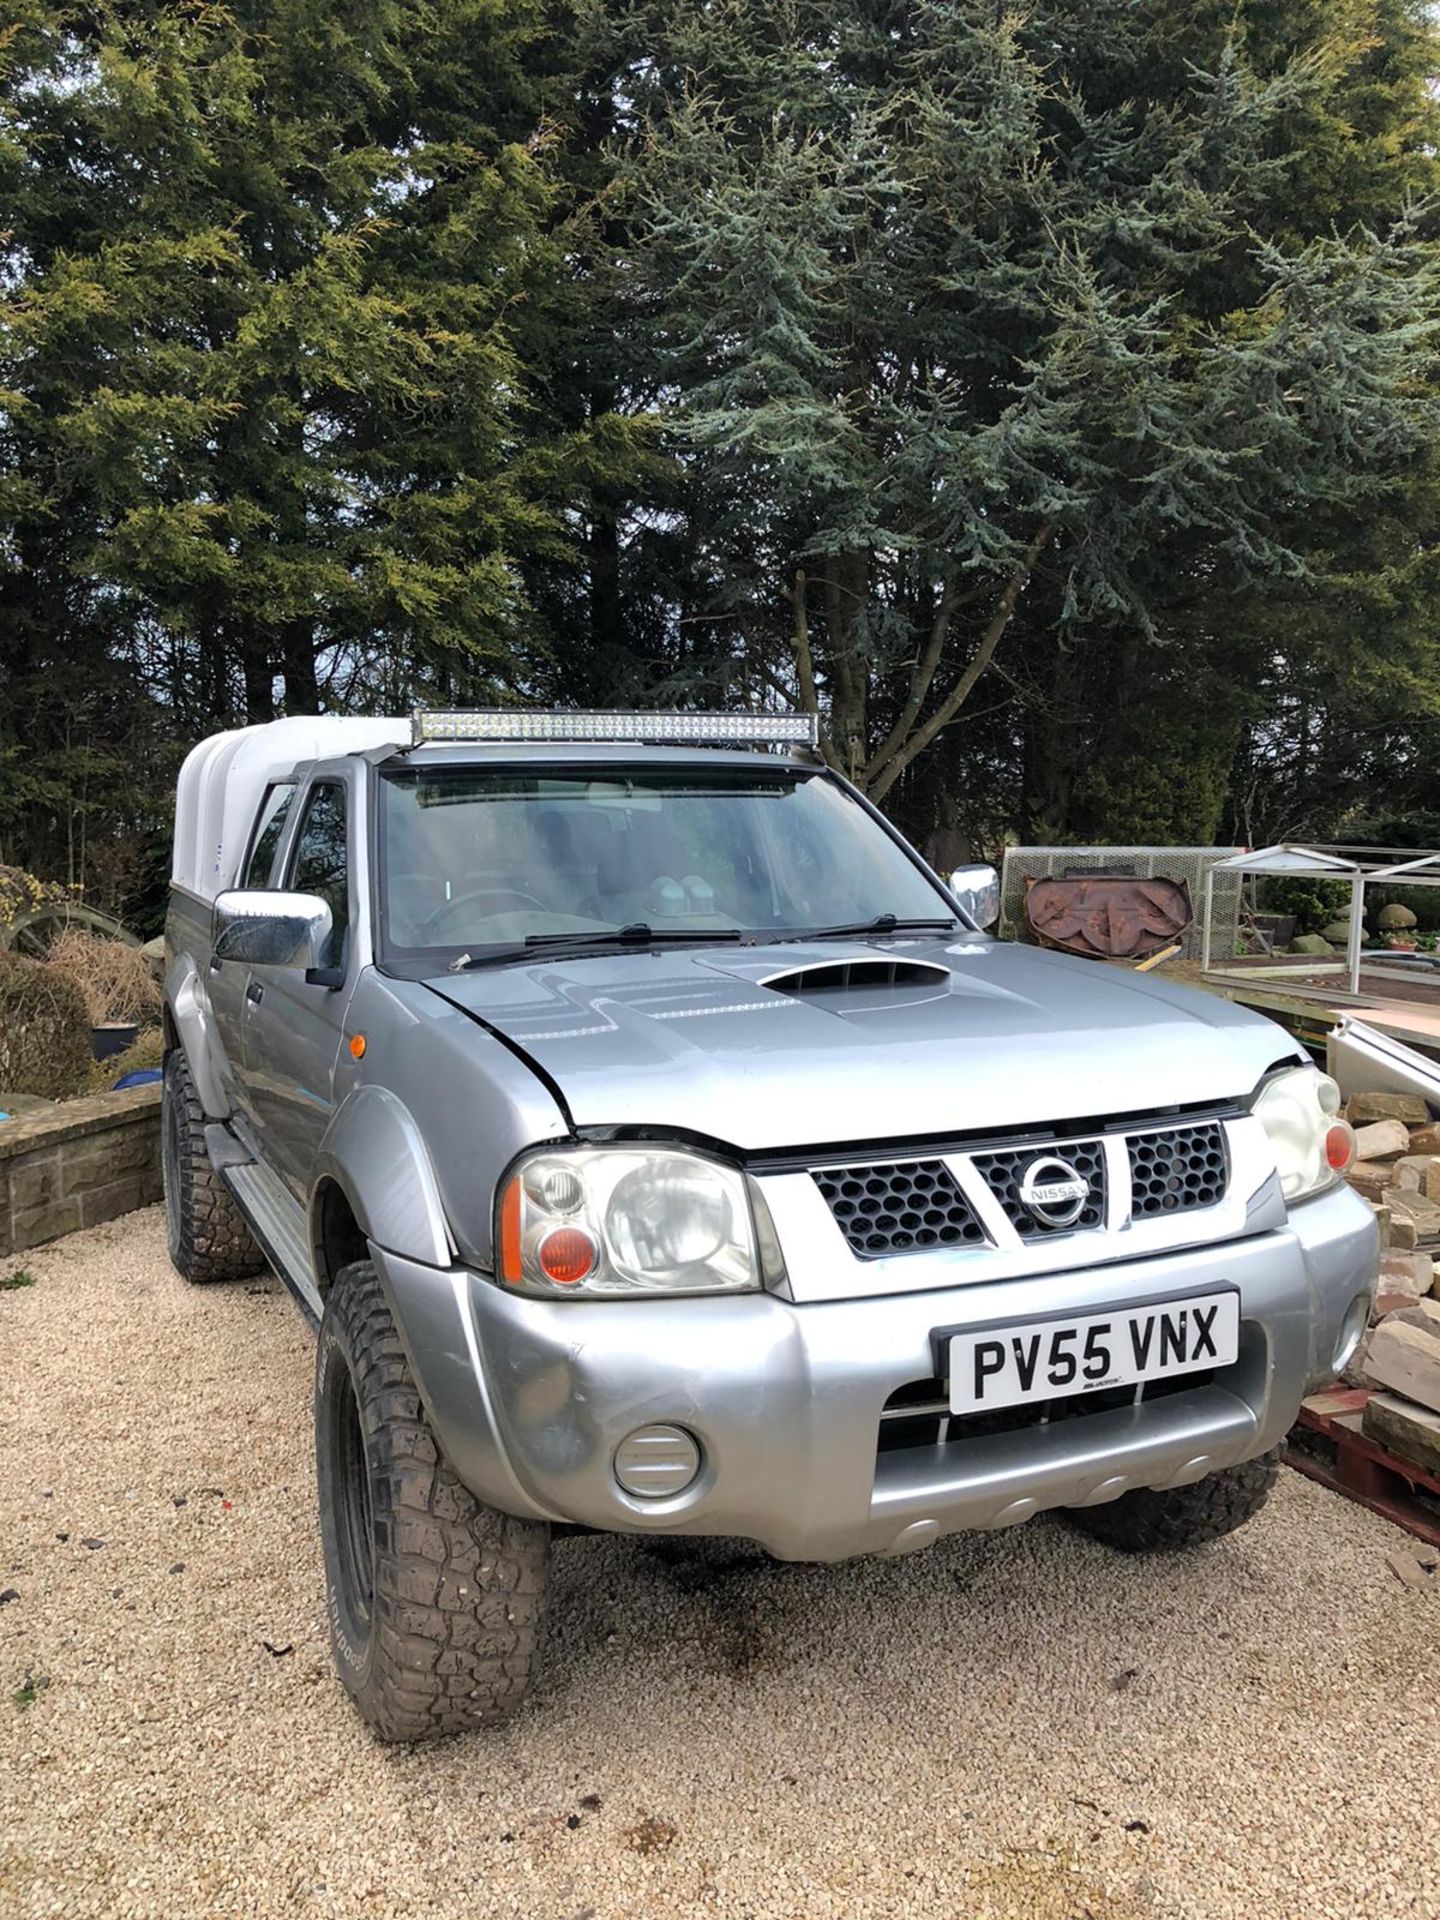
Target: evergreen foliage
[[1043, 396], [985, 325]]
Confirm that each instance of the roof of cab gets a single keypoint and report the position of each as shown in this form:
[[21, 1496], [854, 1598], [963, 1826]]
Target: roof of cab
[[224, 778]]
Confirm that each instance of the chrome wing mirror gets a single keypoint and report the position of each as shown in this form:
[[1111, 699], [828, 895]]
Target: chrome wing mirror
[[977, 889], [260, 928]]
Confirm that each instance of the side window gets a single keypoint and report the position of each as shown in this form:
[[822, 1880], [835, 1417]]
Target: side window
[[269, 825], [319, 863]]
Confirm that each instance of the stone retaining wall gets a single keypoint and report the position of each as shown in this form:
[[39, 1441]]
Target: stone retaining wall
[[80, 1162]]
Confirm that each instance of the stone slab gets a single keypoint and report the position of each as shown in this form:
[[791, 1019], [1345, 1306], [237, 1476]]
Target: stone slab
[[1370, 1179], [1405, 1359], [1382, 1140], [69, 1119], [1402, 1428], [1362, 1108], [1417, 1173]]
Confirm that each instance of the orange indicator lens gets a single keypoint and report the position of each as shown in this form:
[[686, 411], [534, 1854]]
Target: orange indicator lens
[[511, 1267]]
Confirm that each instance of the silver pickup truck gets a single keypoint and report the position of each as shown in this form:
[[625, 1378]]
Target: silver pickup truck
[[660, 1147]]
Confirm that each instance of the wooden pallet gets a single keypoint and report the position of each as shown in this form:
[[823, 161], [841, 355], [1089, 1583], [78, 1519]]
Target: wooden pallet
[[1327, 1444]]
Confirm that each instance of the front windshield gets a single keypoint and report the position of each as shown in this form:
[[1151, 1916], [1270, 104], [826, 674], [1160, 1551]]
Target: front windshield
[[477, 861]]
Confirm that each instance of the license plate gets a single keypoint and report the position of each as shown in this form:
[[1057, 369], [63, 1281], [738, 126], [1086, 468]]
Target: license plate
[[1084, 1353]]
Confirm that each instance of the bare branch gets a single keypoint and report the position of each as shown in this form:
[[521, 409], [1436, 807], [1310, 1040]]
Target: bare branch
[[921, 677], [800, 645], [889, 772], [805, 661]]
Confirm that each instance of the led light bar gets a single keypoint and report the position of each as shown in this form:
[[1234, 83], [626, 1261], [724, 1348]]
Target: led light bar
[[645, 729]]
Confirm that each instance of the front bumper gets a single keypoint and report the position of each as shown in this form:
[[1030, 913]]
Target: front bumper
[[530, 1398]]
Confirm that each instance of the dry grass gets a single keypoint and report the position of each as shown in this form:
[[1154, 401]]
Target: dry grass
[[115, 978], [148, 1050]]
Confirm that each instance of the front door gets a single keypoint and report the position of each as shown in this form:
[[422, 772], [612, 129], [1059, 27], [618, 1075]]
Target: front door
[[294, 1020]]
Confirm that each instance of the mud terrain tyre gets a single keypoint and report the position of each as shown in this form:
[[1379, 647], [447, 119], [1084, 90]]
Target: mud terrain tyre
[[1147, 1521], [204, 1229], [434, 1601]]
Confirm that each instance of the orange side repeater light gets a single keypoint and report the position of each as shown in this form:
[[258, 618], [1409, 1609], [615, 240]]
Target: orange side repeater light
[[510, 1263], [357, 1045]]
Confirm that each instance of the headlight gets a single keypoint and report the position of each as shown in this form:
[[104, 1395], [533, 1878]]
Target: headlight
[[627, 1221], [1299, 1111]]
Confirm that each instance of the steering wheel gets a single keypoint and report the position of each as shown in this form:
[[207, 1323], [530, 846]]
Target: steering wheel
[[511, 894]]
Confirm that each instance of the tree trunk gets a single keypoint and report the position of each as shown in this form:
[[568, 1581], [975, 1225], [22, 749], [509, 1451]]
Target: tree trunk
[[302, 693], [259, 678]]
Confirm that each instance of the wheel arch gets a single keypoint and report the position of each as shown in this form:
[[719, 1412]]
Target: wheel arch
[[190, 1025], [374, 1183]]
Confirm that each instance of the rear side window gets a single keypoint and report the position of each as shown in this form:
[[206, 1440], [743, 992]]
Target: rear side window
[[269, 825], [320, 862]]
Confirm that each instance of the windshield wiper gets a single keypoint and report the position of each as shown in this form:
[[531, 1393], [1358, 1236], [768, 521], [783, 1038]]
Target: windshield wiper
[[883, 923], [637, 934]]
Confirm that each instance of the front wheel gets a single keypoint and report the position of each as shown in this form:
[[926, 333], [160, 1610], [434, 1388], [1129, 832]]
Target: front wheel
[[434, 1601], [1150, 1521]]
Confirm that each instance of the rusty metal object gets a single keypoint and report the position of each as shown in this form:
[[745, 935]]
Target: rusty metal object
[[1107, 916]]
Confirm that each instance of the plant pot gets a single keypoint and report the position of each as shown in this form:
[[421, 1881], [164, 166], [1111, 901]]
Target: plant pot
[[106, 1042]]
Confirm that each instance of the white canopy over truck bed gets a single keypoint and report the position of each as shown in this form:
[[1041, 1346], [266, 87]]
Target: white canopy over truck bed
[[223, 778]]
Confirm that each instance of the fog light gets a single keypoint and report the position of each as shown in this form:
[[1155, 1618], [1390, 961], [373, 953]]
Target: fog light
[[1357, 1318], [655, 1463], [1340, 1145]]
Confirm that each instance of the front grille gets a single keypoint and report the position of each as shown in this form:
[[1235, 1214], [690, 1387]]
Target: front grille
[[918, 1414], [1004, 1172], [899, 1207], [1179, 1168], [911, 1205]]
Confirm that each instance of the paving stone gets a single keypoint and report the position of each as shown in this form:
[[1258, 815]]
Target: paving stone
[[1418, 1173], [1409, 1568], [1423, 1313], [1405, 1203], [1403, 1428], [1382, 1140], [1405, 1360], [1404, 1279], [1362, 1108], [1370, 1179]]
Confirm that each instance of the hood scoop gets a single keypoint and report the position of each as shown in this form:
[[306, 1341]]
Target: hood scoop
[[850, 976]]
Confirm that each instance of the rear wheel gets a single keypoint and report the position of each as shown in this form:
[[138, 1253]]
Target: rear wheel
[[1147, 1521], [434, 1601], [204, 1228]]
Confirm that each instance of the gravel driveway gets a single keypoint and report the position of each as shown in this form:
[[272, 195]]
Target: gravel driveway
[[1018, 1725]]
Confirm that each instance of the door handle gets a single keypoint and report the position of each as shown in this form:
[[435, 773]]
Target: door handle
[[255, 993]]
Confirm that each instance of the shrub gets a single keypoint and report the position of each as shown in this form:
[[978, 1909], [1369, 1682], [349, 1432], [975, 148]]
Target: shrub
[[1313, 902], [147, 1050], [44, 1030], [1423, 902], [115, 979], [20, 894]]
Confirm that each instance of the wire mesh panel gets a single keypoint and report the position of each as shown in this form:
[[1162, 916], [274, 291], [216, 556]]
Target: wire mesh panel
[[1189, 864]]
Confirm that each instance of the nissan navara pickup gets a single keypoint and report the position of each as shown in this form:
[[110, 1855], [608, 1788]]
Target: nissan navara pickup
[[660, 1147]]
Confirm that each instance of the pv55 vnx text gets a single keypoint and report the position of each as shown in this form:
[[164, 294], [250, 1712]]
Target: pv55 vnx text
[[662, 1148]]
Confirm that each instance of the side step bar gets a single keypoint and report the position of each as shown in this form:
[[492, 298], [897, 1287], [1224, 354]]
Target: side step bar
[[277, 1220]]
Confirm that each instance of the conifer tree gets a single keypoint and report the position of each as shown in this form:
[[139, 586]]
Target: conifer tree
[[984, 327], [269, 431]]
